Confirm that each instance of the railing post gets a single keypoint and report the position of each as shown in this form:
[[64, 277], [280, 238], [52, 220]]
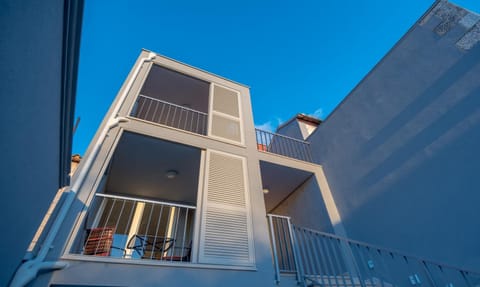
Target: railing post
[[428, 273], [296, 257], [309, 152], [274, 247], [465, 277]]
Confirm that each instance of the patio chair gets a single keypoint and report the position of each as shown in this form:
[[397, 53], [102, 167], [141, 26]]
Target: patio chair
[[99, 241]]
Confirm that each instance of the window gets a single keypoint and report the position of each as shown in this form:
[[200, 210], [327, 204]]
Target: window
[[225, 116]]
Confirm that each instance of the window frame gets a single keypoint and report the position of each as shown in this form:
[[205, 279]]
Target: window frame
[[212, 112]]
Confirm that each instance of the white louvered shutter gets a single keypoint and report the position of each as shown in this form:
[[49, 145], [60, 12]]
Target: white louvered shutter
[[226, 226], [225, 114]]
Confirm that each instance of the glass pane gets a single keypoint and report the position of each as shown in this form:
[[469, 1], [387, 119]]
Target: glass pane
[[226, 128]]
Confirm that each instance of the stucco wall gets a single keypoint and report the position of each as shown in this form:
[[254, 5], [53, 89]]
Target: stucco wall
[[401, 152], [291, 129], [30, 89], [306, 207]]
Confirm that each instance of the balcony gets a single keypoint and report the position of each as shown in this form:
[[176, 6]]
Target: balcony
[[134, 228], [283, 145], [145, 203], [169, 114], [173, 99]]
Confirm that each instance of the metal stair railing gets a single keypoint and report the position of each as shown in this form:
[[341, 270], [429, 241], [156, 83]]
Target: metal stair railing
[[323, 259]]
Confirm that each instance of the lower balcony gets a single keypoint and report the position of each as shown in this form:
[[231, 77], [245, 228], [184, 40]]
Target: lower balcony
[[134, 228], [145, 205]]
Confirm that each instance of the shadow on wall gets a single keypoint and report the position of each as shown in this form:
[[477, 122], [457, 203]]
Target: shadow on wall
[[306, 207], [413, 185], [423, 101], [403, 164]]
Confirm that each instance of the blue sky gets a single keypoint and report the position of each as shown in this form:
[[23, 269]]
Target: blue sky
[[297, 56]]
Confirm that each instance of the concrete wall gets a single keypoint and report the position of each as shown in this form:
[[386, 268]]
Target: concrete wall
[[401, 151]]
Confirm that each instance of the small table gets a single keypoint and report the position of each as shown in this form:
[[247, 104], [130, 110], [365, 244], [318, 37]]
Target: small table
[[152, 244]]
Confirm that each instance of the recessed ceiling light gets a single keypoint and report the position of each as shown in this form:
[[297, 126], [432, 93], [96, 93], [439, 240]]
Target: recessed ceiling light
[[171, 174]]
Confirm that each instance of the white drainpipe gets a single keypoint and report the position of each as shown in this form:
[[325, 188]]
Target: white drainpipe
[[29, 269]]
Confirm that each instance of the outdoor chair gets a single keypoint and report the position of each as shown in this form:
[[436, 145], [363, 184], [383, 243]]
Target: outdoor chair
[[99, 241]]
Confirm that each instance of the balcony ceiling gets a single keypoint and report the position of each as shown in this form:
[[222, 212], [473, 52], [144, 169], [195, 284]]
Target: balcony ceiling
[[139, 167], [281, 181], [177, 88]]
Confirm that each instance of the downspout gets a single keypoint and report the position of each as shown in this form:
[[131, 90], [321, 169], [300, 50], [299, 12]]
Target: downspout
[[29, 269]]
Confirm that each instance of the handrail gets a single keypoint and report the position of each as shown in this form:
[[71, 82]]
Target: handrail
[[279, 216], [145, 200], [283, 136]]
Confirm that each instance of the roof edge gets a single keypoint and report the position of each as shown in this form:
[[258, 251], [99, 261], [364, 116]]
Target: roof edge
[[196, 68]]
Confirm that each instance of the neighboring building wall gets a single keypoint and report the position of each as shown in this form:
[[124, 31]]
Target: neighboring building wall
[[291, 129], [401, 151], [306, 207], [300, 127], [37, 86]]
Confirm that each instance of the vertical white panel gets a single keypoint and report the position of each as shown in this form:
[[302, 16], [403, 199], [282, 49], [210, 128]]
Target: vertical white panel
[[225, 114], [226, 236]]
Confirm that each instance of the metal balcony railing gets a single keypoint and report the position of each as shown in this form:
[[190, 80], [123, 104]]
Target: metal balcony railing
[[134, 228], [169, 114], [283, 145], [284, 253], [322, 259]]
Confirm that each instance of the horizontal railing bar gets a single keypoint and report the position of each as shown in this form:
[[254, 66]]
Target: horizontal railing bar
[[172, 104], [279, 216], [283, 136], [145, 200], [393, 251]]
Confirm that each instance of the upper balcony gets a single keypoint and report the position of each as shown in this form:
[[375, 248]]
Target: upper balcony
[[283, 145], [169, 114], [191, 103], [173, 99]]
